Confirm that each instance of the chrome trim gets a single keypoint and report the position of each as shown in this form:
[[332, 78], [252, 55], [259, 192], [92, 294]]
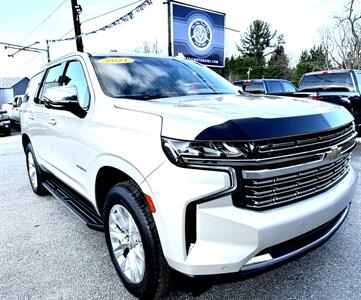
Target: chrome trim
[[309, 144], [266, 173], [298, 252], [270, 203], [296, 176], [304, 184]]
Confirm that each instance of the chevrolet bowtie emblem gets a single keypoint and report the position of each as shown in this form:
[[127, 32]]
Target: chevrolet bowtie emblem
[[333, 153]]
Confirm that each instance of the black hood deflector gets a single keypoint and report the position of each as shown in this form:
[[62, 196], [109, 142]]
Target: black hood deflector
[[262, 129]]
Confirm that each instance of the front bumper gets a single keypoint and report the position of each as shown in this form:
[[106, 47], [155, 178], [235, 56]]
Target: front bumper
[[228, 238]]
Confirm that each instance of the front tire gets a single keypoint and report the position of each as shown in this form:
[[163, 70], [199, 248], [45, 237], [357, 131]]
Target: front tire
[[133, 242], [34, 172]]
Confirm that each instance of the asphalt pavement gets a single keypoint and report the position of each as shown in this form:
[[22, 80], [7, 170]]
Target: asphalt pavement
[[48, 253]]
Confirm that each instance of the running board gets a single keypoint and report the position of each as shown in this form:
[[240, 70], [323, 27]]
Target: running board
[[75, 202]]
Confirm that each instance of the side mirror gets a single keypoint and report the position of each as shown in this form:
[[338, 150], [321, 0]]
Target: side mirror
[[63, 98]]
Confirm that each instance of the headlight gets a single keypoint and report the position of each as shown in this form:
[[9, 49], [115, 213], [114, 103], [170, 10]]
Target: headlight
[[4, 117], [204, 152]]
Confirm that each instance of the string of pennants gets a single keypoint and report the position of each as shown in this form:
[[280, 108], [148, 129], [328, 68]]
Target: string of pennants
[[117, 22]]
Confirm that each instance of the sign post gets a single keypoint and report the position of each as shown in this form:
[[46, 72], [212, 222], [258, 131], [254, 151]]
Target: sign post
[[196, 33]]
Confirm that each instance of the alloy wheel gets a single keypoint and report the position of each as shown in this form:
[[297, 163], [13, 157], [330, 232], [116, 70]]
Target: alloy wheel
[[126, 243]]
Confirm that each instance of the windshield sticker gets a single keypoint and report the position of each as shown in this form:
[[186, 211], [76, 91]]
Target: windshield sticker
[[115, 60]]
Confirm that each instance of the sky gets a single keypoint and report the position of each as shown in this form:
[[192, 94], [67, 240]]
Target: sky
[[24, 22]]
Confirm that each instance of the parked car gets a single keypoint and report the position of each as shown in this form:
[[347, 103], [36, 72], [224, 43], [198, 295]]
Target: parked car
[[5, 125], [342, 87], [183, 172], [266, 86], [14, 112]]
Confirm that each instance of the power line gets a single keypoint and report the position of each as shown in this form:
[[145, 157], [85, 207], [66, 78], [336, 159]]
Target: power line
[[30, 48], [101, 15], [30, 60], [10, 10], [47, 18], [109, 12]]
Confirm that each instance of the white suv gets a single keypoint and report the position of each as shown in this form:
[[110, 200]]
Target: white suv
[[183, 172]]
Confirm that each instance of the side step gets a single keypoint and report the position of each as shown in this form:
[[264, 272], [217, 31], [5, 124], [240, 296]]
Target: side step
[[75, 202]]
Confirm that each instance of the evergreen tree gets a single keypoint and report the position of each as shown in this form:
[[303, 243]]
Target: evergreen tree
[[278, 65], [313, 60], [253, 46]]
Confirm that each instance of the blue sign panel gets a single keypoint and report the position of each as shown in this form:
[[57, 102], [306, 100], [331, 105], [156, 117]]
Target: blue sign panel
[[198, 34]]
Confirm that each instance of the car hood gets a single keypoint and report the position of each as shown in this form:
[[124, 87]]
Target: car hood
[[242, 117]]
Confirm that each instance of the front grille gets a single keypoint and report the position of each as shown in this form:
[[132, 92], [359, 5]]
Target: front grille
[[304, 143], [270, 192], [294, 168]]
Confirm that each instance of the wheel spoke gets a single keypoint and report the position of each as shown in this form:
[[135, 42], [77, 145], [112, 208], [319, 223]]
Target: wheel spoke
[[116, 234], [136, 269], [32, 170], [139, 263], [121, 219], [139, 252], [132, 227]]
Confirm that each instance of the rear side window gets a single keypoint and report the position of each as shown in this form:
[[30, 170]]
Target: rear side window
[[52, 78], [327, 82], [33, 87], [274, 87], [74, 76], [254, 88], [288, 87]]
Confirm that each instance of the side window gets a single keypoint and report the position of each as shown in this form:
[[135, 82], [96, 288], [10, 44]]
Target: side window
[[254, 88], [274, 87], [74, 76], [288, 88], [33, 87], [52, 78]]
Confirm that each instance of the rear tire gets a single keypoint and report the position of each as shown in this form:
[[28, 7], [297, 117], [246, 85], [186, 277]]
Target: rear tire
[[136, 253], [7, 132], [34, 172]]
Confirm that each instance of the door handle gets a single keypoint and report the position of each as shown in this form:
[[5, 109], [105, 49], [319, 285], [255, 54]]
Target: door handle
[[52, 122], [31, 117]]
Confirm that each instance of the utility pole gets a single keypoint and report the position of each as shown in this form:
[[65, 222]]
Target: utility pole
[[249, 72], [76, 12], [169, 28], [48, 50]]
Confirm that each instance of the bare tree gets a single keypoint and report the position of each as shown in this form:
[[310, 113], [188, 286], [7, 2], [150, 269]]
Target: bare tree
[[149, 47], [342, 39]]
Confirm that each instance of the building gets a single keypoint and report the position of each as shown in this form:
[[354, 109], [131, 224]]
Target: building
[[12, 86]]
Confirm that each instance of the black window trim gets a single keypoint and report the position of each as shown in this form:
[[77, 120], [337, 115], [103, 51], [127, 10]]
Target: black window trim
[[46, 71], [85, 76]]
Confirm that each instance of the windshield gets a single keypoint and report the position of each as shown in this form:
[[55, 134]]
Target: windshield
[[147, 78], [327, 81]]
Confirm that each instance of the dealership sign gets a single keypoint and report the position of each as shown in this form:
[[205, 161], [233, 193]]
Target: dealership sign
[[198, 34]]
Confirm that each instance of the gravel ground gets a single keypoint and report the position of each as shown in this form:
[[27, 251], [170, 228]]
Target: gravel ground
[[47, 253]]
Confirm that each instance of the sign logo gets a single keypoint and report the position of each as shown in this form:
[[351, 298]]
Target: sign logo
[[333, 153], [200, 34]]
